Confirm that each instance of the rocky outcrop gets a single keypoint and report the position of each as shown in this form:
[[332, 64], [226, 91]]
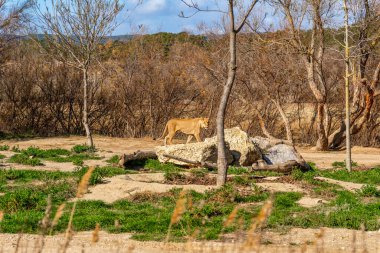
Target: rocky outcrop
[[197, 152], [243, 150]]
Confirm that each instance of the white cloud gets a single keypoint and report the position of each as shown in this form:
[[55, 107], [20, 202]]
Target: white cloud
[[152, 6]]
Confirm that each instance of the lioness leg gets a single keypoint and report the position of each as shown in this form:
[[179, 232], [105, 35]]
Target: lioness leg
[[197, 137], [170, 138], [189, 138]]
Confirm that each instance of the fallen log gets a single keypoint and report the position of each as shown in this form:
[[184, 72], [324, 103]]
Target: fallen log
[[286, 167], [136, 156], [203, 164], [259, 166]]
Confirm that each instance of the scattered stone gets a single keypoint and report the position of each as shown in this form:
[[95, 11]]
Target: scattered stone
[[243, 150]]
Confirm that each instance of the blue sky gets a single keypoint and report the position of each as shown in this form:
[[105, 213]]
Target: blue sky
[[163, 16], [160, 15]]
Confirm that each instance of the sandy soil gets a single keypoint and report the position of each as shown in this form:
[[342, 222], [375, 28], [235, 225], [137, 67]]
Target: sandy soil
[[364, 156], [296, 240], [105, 145]]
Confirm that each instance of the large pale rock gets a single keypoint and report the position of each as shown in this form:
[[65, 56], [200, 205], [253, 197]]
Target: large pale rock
[[281, 153], [197, 152], [245, 153]]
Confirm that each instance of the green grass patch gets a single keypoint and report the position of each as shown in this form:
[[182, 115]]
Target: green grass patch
[[41, 153], [342, 165], [369, 191], [83, 149], [371, 176], [100, 173], [76, 159], [34, 155], [147, 215], [346, 211], [2, 156], [113, 160], [4, 147], [155, 166], [25, 159]]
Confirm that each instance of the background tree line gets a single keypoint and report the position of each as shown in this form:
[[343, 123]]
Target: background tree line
[[289, 82]]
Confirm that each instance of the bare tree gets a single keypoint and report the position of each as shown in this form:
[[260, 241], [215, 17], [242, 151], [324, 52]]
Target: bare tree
[[366, 17], [74, 29], [312, 50], [12, 17], [233, 30]]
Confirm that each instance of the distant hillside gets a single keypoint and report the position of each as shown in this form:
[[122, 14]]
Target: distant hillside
[[41, 36]]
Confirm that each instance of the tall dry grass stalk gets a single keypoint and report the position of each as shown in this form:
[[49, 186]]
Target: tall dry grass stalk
[[319, 240], [83, 185], [231, 218], [57, 216], [364, 238], [253, 239], [1, 216], [44, 225], [82, 189], [179, 210], [95, 233]]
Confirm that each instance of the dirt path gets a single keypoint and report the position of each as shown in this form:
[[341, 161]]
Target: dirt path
[[105, 145], [362, 155], [353, 187], [296, 240]]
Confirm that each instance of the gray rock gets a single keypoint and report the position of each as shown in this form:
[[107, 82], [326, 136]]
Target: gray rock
[[281, 153], [197, 152], [245, 153]]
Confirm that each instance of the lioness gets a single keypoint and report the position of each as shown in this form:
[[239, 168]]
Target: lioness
[[192, 127]]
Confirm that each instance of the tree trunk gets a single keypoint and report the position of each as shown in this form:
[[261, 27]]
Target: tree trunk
[[289, 134], [347, 88], [322, 142], [90, 142], [222, 159]]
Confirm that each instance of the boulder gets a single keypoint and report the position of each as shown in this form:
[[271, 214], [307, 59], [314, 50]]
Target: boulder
[[281, 153], [197, 152], [261, 142], [244, 152]]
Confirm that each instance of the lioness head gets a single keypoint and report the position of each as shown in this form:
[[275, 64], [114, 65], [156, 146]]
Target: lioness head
[[204, 123]]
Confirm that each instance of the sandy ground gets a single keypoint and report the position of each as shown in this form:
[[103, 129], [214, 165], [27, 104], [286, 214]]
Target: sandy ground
[[364, 156], [296, 240]]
